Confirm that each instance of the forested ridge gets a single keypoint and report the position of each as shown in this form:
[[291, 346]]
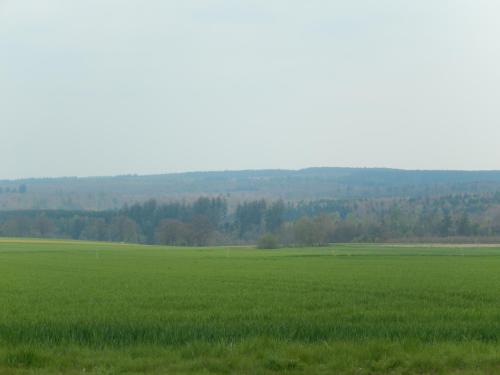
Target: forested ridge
[[105, 193]]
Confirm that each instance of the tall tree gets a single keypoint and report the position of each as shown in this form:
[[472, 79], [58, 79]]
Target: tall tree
[[275, 216]]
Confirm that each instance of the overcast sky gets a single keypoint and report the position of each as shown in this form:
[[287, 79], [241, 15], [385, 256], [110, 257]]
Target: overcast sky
[[105, 87]]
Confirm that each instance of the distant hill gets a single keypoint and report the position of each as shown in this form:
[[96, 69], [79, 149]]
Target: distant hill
[[100, 193]]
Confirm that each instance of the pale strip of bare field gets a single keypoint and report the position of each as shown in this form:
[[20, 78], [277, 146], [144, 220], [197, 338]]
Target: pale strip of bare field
[[443, 245], [7, 240], [53, 241]]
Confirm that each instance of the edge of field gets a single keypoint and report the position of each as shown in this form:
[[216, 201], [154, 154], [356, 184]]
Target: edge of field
[[34, 240]]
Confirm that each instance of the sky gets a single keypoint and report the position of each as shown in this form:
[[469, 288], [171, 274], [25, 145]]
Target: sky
[[111, 87]]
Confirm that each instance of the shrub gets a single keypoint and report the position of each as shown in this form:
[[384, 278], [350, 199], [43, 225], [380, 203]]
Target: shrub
[[268, 242]]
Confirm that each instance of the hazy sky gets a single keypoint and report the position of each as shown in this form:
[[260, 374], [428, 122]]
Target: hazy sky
[[108, 87]]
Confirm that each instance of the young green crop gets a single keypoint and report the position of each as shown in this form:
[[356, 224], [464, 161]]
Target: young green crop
[[114, 297]]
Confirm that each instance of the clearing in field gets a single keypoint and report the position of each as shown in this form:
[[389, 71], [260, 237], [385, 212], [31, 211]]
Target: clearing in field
[[75, 307]]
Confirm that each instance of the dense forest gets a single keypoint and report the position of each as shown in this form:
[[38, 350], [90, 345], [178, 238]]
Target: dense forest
[[311, 207], [211, 220]]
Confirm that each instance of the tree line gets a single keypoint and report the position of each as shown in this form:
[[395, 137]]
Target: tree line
[[210, 220]]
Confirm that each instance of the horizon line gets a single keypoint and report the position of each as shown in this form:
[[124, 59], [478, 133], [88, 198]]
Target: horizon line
[[10, 180]]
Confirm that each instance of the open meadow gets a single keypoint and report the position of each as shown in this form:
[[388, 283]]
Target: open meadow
[[102, 308]]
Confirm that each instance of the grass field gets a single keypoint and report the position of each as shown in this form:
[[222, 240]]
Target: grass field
[[94, 308]]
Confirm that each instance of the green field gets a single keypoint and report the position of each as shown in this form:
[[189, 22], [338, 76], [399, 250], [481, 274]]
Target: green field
[[94, 308]]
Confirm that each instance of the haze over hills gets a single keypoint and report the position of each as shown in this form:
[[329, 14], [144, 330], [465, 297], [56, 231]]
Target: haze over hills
[[101, 193]]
